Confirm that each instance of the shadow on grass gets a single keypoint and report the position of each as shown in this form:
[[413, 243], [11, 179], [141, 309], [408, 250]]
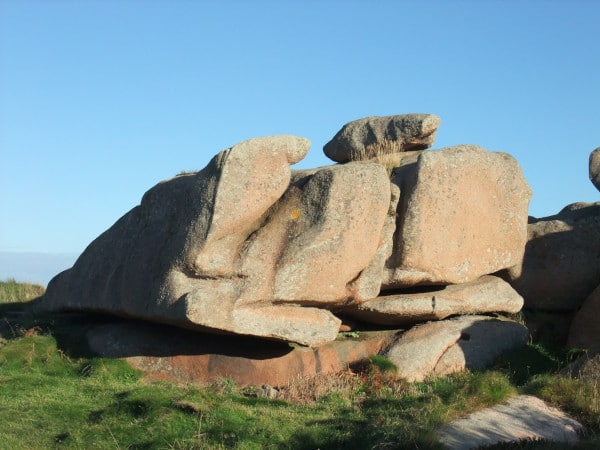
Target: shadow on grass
[[384, 423]]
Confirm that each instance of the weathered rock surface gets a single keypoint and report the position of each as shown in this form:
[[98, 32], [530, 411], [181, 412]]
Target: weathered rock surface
[[227, 248], [561, 266], [370, 137], [467, 342], [173, 354], [585, 329], [462, 214], [485, 295], [255, 174], [522, 418], [595, 168], [331, 227]]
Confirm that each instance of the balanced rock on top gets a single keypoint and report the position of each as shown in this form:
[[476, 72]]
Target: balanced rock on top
[[371, 137]]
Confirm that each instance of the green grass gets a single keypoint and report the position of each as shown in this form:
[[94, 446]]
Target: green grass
[[54, 393]]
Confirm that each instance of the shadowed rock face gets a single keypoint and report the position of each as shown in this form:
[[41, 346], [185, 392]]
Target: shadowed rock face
[[561, 265], [584, 332], [164, 352]]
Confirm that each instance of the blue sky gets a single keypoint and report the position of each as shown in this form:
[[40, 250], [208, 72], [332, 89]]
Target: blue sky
[[100, 100]]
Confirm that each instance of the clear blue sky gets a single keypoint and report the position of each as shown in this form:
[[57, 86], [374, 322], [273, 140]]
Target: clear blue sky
[[100, 100]]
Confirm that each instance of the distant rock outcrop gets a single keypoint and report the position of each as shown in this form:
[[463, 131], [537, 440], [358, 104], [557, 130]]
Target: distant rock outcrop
[[595, 168], [561, 265], [249, 247]]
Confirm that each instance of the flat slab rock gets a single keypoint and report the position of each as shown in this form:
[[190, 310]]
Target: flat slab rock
[[170, 353], [521, 418], [487, 294]]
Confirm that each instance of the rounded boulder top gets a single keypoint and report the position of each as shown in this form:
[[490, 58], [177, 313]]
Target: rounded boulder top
[[595, 168], [373, 136]]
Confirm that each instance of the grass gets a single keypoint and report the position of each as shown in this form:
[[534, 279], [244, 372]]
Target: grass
[[385, 153], [12, 292], [56, 394]]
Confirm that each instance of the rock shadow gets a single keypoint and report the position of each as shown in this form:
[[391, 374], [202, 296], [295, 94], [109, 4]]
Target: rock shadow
[[128, 338]]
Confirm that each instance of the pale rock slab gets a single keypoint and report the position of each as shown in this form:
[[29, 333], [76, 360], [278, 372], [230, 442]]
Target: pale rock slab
[[521, 418], [420, 350], [375, 136], [561, 266], [462, 214], [485, 295], [594, 168]]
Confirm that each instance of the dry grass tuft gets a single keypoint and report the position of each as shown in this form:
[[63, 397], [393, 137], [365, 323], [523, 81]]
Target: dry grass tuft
[[387, 153], [307, 390], [365, 379], [13, 292]]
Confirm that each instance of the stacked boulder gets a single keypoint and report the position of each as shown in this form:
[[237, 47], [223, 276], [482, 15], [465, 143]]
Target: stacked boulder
[[394, 235]]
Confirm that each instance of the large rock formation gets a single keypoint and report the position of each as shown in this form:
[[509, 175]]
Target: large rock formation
[[248, 246]]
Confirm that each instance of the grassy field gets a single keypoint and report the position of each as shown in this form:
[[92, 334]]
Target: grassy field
[[55, 394]]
